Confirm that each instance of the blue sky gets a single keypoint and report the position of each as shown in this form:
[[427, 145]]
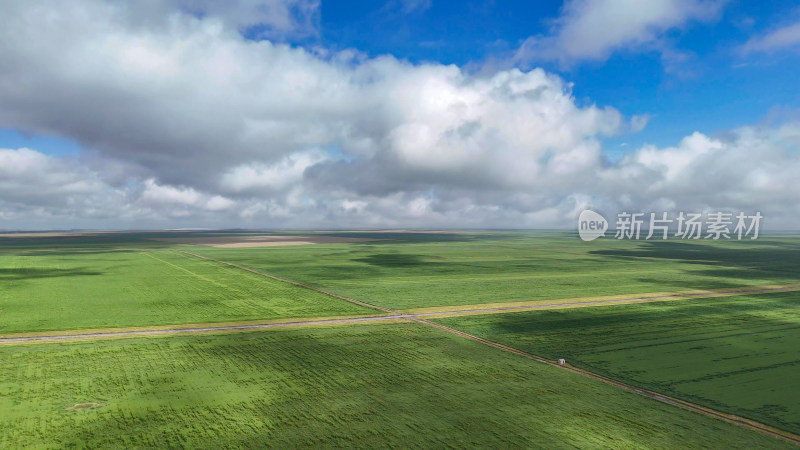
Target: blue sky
[[51, 145], [716, 89], [396, 113]]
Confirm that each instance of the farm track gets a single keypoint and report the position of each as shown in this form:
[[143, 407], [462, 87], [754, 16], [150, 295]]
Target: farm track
[[730, 418], [393, 315], [295, 283], [567, 303], [80, 335], [420, 316]]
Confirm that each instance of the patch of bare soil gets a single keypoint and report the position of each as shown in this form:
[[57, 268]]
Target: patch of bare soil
[[262, 241]]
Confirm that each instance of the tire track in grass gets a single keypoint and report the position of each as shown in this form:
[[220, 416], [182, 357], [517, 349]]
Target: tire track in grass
[[295, 283], [194, 274]]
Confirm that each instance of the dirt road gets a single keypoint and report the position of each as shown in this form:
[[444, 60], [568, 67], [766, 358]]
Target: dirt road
[[391, 315]]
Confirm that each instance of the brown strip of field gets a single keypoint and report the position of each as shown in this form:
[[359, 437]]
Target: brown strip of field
[[580, 302], [262, 240], [209, 328]]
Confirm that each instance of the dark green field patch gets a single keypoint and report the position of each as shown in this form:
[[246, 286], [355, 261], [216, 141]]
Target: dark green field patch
[[736, 354]]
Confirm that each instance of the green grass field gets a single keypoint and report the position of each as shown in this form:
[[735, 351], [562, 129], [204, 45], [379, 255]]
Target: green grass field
[[396, 384], [401, 385], [413, 271], [737, 354], [95, 288]]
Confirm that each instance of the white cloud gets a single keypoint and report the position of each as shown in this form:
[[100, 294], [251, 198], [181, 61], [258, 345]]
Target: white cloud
[[256, 176], [187, 124], [591, 30], [40, 191], [159, 194], [782, 38], [747, 169], [29, 176], [219, 203]]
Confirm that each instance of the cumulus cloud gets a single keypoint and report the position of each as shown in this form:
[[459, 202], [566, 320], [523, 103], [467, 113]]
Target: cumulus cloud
[[747, 169], [257, 177], [185, 123], [591, 30], [40, 191], [29, 177], [781, 38]]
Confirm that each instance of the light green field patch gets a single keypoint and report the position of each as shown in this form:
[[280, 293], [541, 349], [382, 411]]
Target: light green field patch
[[401, 385], [99, 289]]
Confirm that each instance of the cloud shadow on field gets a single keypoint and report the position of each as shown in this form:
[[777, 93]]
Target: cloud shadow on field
[[32, 273], [708, 339], [765, 260], [395, 260], [72, 253]]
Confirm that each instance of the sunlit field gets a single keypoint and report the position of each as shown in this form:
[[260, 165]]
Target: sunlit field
[[376, 385], [397, 382], [74, 289]]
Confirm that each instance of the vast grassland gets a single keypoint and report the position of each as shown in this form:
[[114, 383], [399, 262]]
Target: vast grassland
[[736, 354], [418, 270], [73, 289], [395, 384], [401, 385]]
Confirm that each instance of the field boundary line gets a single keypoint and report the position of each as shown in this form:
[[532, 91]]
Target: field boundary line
[[211, 328], [178, 326], [295, 283], [194, 274], [730, 418], [257, 324], [578, 302], [504, 307]]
